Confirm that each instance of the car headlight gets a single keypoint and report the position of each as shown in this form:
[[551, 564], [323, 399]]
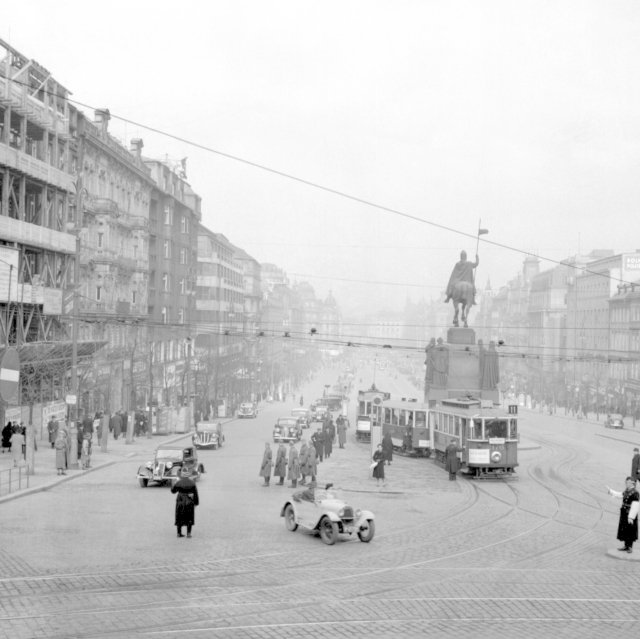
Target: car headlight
[[169, 465], [149, 465], [358, 513]]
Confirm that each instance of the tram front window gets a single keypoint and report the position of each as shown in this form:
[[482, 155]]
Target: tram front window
[[476, 429], [497, 428]]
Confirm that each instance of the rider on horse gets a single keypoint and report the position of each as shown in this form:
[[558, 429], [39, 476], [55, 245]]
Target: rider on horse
[[462, 272]]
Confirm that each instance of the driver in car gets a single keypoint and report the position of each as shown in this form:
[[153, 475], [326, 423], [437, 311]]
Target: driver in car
[[308, 494]]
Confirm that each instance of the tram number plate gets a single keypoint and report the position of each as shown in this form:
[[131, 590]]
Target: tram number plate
[[479, 456]]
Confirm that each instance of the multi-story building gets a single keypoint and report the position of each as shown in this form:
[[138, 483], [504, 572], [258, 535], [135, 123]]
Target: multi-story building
[[38, 172], [175, 214], [111, 209], [589, 318], [219, 327], [251, 323]]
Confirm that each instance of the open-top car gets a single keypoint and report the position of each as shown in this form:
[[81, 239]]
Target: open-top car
[[322, 511], [208, 435], [614, 420], [247, 409], [303, 415], [167, 464], [287, 429]]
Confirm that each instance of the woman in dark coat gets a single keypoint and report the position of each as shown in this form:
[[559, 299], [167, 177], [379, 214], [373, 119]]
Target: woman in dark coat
[[378, 469], [186, 502], [387, 448], [628, 522], [7, 431]]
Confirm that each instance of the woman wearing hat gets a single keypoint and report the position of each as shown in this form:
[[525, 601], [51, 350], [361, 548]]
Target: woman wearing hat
[[186, 501]]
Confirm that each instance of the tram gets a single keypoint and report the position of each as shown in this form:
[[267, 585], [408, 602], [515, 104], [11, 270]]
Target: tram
[[408, 424], [488, 434], [368, 403]]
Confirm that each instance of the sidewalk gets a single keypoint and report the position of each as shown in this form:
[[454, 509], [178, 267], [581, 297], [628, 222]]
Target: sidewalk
[[46, 474]]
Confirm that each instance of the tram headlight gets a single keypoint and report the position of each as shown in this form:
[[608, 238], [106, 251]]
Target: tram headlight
[[496, 456]]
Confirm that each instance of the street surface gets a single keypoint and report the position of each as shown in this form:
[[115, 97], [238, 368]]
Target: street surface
[[533, 556]]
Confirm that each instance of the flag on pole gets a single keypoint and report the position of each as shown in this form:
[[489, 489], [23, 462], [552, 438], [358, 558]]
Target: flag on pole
[[483, 231]]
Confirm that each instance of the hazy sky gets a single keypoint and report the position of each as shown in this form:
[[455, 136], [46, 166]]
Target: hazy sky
[[525, 115]]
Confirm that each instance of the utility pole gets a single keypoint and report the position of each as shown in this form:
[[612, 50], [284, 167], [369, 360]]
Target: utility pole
[[73, 408]]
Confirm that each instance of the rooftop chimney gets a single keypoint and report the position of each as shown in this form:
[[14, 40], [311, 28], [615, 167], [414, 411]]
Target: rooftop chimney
[[136, 147], [101, 118]]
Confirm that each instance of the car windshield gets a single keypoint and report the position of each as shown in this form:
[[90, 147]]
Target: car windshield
[[169, 454], [287, 422]]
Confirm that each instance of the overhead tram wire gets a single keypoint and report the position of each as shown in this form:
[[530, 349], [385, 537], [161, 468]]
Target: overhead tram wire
[[327, 189]]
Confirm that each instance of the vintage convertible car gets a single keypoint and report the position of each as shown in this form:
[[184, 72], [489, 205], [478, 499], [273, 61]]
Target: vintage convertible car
[[208, 435], [287, 429], [327, 515], [247, 409], [166, 466]]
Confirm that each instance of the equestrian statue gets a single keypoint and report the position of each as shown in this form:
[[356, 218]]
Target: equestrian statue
[[461, 288]]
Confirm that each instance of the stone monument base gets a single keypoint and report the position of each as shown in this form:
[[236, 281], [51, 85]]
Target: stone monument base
[[464, 378]]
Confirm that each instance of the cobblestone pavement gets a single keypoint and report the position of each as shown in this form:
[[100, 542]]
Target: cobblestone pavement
[[531, 557]]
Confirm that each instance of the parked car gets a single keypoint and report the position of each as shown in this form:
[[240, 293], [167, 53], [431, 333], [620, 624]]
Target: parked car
[[167, 464], [614, 420], [208, 435], [328, 515], [247, 409], [303, 415], [287, 429]]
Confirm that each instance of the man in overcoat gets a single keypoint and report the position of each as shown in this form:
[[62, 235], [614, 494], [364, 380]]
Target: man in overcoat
[[451, 461], [186, 502], [294, 465], [267, 464], [280, 469]]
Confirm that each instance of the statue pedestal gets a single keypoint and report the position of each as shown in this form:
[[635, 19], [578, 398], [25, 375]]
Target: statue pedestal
[[465, 336], [464, 376]]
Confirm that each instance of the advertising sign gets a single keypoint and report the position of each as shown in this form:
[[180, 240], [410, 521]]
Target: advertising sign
[[479, 456]]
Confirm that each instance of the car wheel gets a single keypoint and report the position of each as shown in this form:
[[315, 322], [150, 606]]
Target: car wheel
[[328, 531], [144, 482], [290, 518], [367, 531]]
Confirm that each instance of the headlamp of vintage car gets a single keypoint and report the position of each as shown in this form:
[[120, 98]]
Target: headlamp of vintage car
[[357, 513], [149, 465], [169, 465]]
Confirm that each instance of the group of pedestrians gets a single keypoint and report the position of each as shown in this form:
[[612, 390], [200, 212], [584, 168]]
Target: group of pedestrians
[[297, 466], [14, 440]]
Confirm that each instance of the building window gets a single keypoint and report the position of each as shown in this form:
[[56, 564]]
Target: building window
[[98, 293], [181, 316], [165, 315], [100, 239], [182, 286], [166, 282], [183, 256], [133, 297], [167, 248], [168, 214]]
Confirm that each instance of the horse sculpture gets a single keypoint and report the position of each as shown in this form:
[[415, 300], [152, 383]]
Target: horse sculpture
[[462, 295]]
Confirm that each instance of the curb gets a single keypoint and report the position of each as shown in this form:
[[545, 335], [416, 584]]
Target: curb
[[57, 480]]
